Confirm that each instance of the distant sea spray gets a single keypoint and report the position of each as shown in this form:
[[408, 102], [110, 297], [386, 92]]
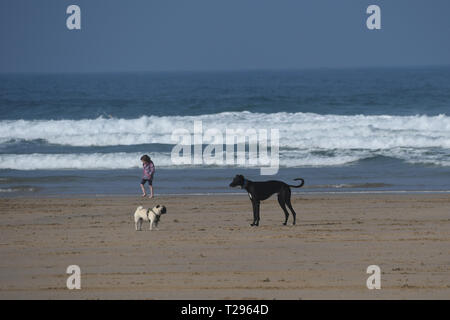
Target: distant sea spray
[[306, 139]]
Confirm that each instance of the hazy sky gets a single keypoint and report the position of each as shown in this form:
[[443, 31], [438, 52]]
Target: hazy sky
[[154, 35]]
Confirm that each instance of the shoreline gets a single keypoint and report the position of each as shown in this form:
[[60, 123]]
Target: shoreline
[[205, 248], [7, 195]]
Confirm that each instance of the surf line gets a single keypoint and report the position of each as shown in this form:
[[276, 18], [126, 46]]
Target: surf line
[[213, 154], [209, 311]]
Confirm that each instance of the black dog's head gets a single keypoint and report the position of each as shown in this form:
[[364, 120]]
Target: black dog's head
[[238, 181]]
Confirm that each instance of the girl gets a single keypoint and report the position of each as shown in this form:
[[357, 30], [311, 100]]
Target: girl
[[149, 171]]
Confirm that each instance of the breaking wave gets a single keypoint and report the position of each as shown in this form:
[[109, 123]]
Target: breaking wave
[[306, 139], [298, 130]]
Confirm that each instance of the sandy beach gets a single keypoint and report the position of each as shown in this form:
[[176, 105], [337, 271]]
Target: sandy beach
[[206, 249]]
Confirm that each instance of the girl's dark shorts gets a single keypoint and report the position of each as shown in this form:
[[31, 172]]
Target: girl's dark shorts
[[150, 181]]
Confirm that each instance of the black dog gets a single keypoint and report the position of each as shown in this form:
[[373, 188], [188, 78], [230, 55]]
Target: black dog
[[259, 191]]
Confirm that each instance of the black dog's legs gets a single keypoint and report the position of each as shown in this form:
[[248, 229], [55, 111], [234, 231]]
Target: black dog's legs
[[282, 202], [288, 202], [255, 213]]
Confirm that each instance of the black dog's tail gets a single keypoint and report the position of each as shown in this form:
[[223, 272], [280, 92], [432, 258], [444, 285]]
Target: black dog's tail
[[300, 185]]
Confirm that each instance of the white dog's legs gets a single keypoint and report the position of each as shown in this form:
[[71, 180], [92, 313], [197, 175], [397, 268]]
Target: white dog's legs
[[138, 224], [151, 224]]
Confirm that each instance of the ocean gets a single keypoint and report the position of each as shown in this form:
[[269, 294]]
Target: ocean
[[342, 130]]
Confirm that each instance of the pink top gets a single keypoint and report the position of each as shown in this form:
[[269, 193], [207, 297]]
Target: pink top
[[149, 170]]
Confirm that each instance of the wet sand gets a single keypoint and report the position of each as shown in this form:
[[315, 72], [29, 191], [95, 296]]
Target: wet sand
[[206, 249]]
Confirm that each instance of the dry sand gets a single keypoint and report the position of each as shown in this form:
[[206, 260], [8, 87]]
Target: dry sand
[[205, 248]]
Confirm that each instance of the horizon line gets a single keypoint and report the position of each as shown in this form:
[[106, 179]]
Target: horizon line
[[232, 70]]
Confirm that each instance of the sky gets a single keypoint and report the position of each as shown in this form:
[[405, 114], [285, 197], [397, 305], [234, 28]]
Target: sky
[[210, 35]]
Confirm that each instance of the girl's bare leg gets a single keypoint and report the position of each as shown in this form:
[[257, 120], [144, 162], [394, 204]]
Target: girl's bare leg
[[151, 192], [143, 190]]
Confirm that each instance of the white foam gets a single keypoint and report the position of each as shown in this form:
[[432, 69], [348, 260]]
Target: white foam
[[88, 161], [298, 130], [17, 189], [122, 160], [306, 139]]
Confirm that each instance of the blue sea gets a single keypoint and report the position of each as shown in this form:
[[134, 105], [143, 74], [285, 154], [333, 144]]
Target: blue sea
[[342, 130]]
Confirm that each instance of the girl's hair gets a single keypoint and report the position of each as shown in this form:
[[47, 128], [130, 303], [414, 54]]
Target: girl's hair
[[145, 158]]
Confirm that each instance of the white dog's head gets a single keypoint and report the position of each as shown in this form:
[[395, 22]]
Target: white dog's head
[[159, 210]]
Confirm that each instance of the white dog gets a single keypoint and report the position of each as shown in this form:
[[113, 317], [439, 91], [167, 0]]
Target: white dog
[[152, 215]]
